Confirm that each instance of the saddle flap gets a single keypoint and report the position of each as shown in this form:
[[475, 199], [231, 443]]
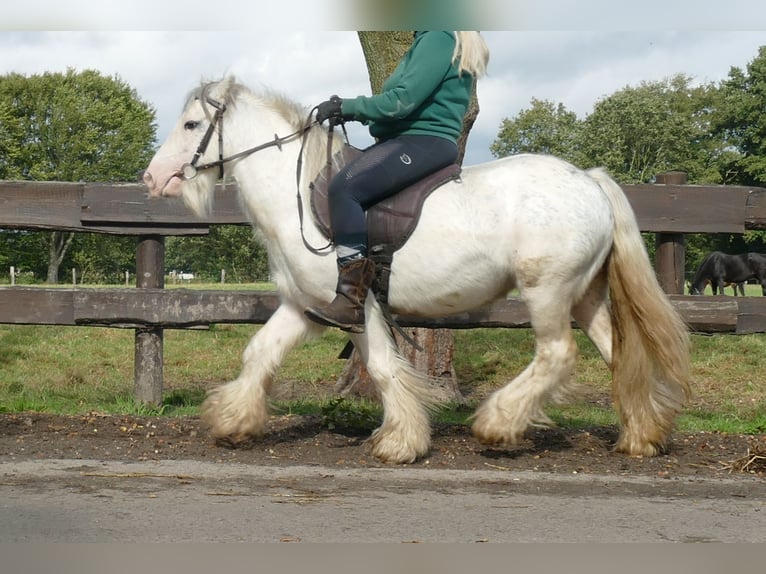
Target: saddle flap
[[320, 207]]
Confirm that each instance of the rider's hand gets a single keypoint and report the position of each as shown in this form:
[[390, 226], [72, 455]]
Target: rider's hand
[[330, 110]]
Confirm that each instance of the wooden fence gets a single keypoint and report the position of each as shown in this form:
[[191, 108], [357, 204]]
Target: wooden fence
[[669, 209]]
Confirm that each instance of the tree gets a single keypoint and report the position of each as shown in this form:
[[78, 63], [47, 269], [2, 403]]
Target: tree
[[543, 128], [382, 52], [742, 122], [73, 126], [638, 132], [101, 259], [21, 249], [228, 247]]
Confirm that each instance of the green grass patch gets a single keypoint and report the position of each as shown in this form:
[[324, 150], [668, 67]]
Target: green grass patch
[[72, 370]]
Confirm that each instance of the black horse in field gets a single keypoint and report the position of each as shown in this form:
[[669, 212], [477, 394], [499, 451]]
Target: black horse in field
[[721, 269]]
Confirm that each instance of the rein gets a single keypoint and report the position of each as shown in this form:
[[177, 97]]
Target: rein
[[315, 250], [191, 169]]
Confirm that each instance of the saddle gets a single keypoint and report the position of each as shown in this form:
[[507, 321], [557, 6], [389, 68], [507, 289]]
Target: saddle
[[390, 223]]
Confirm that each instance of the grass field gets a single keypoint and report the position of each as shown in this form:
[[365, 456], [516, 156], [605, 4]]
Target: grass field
[[75, 369], [751, 290]]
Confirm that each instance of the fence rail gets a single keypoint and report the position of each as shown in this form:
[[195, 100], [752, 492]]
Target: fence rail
[[189, 309], [669, 209]]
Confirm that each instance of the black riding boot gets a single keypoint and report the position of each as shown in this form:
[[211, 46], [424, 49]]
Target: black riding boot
[[347, 309]]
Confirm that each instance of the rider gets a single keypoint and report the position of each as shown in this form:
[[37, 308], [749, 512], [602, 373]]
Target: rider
[[416, 120]]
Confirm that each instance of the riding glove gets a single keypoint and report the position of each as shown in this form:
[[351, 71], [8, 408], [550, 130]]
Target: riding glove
[[331, 110]]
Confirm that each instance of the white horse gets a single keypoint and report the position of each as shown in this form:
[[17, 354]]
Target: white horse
[[567, 239]]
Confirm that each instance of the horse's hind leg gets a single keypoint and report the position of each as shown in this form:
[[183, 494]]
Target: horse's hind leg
[[238, 410], [407, 395], [507, 413], [593, 315]]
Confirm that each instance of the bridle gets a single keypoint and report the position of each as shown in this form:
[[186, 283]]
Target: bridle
[[191, 169]]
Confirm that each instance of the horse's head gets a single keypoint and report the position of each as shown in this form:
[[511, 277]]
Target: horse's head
[[187, 162], [698, 287]]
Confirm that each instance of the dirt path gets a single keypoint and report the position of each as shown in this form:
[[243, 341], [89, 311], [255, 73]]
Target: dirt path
[[295, 440]]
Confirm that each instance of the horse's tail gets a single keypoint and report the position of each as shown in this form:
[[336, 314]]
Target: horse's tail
[[650, 341]]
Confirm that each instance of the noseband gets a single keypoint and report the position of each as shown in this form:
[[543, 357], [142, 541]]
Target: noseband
[[191, 169]]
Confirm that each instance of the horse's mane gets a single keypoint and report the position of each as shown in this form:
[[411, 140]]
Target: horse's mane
[[233, 93]]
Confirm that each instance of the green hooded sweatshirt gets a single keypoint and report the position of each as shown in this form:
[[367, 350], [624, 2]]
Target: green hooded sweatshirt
[[425, 95]]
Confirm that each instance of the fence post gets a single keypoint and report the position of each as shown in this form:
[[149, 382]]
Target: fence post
[[670, 247], [150, 274]]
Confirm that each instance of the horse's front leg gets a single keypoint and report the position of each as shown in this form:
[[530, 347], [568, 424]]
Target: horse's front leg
[[238, 410], [408, 396], [720, 290]]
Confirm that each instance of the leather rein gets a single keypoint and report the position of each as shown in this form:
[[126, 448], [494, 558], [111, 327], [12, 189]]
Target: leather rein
[[190, 169]]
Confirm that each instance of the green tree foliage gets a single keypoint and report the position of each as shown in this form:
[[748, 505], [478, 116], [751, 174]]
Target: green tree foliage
[[23, 250], [545, 127], [742, 120], [72, 126], [638, 132], [76, 126], [228, 247], [102, 259]]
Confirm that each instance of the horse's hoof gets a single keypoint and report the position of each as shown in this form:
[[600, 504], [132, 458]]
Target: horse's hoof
[[396, 458], [494, 433], [647, 450], [496, 439], [391, 451], [238, 440]]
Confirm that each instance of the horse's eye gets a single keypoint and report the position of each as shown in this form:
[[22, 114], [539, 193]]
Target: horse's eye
[[191, 125]]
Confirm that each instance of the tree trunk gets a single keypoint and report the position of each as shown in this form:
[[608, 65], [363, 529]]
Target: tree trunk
[[435, 359], [468, 120], [382, 52], [57, 247]]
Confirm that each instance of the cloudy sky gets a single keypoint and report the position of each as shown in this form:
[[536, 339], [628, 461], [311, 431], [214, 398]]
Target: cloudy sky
[[575, 58]]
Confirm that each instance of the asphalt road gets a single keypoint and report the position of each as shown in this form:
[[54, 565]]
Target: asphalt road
[[190, 501]]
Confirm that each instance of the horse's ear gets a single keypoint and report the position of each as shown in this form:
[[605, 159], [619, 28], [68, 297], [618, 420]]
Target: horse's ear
[[225, 88], [226, 83]]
